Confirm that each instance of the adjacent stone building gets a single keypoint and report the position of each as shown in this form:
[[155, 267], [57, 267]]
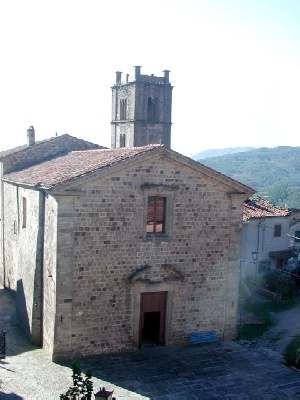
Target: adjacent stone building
[[113, 249], [270, 237], [265, 238]]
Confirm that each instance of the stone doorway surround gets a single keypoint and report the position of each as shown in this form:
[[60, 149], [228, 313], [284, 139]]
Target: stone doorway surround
[[152, 280]]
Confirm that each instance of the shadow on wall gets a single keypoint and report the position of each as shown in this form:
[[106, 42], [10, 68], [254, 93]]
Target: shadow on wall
[[21, 308], [9, 396], [16, 342]]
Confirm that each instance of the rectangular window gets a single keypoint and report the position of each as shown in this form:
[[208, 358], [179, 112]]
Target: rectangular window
[[122, 140], [264, 266], [277, 230], [156, 214], [158, 211], [123, 109]]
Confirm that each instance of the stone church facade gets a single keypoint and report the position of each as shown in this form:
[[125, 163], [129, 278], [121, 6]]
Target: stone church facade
[[110, 250]]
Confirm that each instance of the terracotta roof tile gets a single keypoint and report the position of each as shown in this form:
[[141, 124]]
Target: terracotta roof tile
[[73, 165], [25, 147], [256, 207]]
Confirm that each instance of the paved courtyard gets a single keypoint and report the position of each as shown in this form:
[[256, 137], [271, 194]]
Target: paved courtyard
[[226, 371]]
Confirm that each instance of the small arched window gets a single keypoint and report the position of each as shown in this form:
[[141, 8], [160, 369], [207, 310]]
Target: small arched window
[[150, 110], [123, 109]]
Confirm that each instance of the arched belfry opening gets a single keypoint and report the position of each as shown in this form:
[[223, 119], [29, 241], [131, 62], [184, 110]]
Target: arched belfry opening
[[150, 110], [141, 110]]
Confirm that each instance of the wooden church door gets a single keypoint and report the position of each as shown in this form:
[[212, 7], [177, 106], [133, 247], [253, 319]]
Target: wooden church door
[[152, 319]]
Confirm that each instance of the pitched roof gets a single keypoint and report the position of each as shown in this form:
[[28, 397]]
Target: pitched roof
[[65, 137], [9, 152], [256, 207], [76, 164], [22, 157], [73, 165]]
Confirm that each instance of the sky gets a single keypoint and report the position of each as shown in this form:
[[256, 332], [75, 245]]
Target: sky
[[234, 67]]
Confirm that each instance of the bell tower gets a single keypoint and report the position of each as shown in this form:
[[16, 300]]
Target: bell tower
[[141, 110]]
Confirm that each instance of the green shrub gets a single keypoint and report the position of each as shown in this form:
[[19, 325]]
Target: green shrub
[[82, 386], [278, 282], [290, 352], [254, 280]]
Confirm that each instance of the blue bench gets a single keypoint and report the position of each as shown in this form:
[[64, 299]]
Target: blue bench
[[204, 337]]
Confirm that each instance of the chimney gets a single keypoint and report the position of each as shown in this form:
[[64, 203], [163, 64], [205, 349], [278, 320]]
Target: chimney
[[31, 136], [118, 77], [166, 75], [137, 72]]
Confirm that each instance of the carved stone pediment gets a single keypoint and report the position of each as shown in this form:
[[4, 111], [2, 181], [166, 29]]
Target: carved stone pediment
[[155, 274]]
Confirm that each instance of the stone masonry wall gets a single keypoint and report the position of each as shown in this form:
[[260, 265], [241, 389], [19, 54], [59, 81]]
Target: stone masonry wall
[[102, 242], [233, 272], [11, 228], [22, 256], [123, 127], [139, 131], [50, 274], [145, 132]]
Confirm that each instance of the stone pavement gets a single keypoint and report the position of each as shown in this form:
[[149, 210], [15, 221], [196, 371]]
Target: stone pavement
[[226, 371]]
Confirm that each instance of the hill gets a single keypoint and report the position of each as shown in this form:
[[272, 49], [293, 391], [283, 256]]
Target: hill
[[273, 172], [220, 152]]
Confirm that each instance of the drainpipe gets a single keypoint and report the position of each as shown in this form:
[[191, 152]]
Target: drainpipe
[[257, 245], [2, 225]]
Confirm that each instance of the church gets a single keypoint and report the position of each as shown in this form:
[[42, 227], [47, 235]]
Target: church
[[110, 250]]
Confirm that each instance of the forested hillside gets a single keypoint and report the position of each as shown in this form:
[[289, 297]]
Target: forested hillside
[[220, 152], [273, 172]]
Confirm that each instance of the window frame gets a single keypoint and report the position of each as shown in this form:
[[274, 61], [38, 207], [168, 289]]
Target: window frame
[[123, 109], [169, 195], [264, 266], [155, 214], [122, 140], [277, 230]]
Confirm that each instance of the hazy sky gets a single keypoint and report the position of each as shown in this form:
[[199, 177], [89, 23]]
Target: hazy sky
[[234, 66]]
